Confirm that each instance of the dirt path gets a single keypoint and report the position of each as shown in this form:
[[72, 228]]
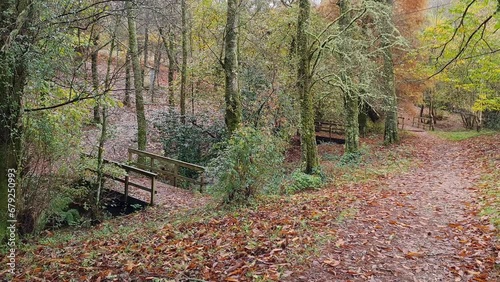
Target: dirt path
[[420, 226]]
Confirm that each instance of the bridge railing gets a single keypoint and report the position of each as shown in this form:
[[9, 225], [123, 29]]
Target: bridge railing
[[126, 179], [172, 170], [423, 122]]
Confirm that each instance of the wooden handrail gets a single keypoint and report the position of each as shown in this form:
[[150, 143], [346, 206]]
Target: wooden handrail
[[151, 155], [174, 172], [131, 168], [152, 176]]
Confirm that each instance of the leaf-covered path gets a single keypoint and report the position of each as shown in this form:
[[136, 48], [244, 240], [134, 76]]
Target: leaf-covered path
[[422, 225]]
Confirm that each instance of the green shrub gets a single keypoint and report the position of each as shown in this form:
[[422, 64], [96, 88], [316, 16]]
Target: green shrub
[[375, 127], [350, 159], [247, 166], [60, 211], [191, 141], [301, 181]]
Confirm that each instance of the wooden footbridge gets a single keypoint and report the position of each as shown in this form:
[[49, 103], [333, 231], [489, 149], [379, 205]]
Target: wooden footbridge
[[150, 172], [328, 131]]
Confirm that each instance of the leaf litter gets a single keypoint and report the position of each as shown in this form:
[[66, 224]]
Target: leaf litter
[[420, 225]]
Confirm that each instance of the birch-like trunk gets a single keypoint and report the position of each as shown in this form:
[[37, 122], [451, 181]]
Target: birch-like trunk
[[233, 115], [136, 66]]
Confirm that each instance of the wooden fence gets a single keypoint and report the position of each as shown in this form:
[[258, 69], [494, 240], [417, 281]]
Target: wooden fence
[[423, 122], [126, 179], [168, 168], [401, 123]]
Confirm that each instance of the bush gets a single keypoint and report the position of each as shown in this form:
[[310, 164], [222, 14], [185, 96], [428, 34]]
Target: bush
[[193, 140], [247, 166], [375, 127], [301, 181], [60, 210], [350, 159]]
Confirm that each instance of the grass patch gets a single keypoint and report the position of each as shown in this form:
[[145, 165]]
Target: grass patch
[[462, 135], [374, 161]]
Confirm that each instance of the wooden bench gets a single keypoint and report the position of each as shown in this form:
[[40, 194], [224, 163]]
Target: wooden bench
[[167, 168]]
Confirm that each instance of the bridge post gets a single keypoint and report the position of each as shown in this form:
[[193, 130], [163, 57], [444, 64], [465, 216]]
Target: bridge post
[[152, 191], [126, 188]]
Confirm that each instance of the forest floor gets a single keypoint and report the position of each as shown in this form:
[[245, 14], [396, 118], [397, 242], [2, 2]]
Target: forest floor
[[418, 211]]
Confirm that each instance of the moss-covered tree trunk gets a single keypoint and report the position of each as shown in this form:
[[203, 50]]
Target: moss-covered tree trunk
[[128, 84], [351, 97], [233, 114], [14, 47], [351, 106], [95, 74], [391, 115], [172, 66], [363, 118], [184, 43], [145, 53], [139, 99], [308, 134]]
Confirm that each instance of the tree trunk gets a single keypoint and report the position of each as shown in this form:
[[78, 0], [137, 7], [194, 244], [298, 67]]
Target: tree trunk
[[154, 73], [102, 137], [139, 100], [182, 103], [169, 47], [362, 118], [95, 74], [308, 134], [351, 97], [233, 115], [13, 77], [172, 67], [391, 120], [128, 68], [146, 54], [351, 124]]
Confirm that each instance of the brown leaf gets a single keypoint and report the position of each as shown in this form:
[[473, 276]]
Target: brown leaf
[[339, 243], [413, 255], [331, 262]]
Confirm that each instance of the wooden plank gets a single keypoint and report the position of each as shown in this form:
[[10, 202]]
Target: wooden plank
[[181, 163], [192, 180], [135, 169], [127, 168], [136, 185], [175, 176]]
